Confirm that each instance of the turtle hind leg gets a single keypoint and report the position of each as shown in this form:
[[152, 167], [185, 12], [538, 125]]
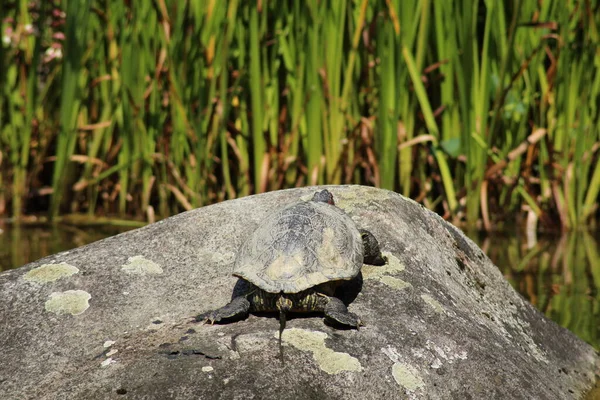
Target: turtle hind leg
[[372, 251], [336, 311], [236, 308]]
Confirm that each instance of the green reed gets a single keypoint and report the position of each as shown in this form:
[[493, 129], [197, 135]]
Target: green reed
[[480, 110], [73, 78]]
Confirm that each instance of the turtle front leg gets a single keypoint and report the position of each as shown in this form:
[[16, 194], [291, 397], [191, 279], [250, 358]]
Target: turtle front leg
[[238, 307], [336, 310], [373, 254]]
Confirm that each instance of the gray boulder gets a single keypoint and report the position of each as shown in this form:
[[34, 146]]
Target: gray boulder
[[115, 319]]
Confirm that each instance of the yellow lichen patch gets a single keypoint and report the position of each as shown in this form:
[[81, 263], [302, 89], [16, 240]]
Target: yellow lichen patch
[[407, 377], [392, 266], [348, 199], [382, 273], [437, 307], [307, 197], [330, 361], [138, 265], [394, 282], [50, 273], [72, 302]]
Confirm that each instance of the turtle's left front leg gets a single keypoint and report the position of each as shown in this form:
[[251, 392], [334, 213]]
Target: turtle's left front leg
[[336, 310], [238, 307], [373, 254]]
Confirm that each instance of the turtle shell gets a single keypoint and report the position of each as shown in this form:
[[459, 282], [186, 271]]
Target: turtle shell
[[301, 246]]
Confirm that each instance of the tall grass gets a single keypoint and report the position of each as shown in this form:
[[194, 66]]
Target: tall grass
[[481, 110]]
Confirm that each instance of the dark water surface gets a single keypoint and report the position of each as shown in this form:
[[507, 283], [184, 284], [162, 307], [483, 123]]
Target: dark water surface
[[560, 275], [22, 245]]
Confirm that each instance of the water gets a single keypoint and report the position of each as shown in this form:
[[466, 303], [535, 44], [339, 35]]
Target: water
[[560, 275], [19, 246]]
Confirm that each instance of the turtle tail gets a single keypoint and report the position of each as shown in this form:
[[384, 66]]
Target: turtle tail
[[281, 325], [283, 305]]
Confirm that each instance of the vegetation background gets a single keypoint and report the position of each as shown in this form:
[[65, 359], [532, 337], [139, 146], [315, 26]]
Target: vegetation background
[[485, 111]]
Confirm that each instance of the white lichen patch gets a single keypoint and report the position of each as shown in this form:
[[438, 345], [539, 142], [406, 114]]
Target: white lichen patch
[[72, 302], [433, 303], [407, 377], [138, 265], [330, 361], [50, 273], [383, 273], [433, 353], [208, 368], [436, 364], [107, 362]]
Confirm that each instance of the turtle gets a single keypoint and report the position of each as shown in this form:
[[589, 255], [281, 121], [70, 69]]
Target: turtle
[[294, 262]]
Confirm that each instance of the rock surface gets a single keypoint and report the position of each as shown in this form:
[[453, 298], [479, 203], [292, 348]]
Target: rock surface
[[114, 319]]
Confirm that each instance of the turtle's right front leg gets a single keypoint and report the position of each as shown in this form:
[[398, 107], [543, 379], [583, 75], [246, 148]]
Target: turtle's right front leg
[[336, 310], [238, 307], [373, 254]]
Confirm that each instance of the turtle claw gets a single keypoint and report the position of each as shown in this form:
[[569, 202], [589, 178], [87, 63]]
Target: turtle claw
[[208, 318], [348, 319], [238, 307], [336, 310]]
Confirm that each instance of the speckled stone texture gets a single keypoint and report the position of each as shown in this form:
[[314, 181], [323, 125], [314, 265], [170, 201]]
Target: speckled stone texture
[[114, 319]]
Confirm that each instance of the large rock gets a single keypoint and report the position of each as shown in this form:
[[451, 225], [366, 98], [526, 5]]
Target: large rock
[[114, 319]]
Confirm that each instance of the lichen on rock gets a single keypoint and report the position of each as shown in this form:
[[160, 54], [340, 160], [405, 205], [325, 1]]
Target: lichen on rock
[[384, 273], [139, 265], [446, 344], [332, 362], [407, 377], [433, 303], [50, 272], [72, 302]]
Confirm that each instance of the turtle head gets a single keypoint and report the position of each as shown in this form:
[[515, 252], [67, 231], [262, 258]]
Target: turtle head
[[324, 196]]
